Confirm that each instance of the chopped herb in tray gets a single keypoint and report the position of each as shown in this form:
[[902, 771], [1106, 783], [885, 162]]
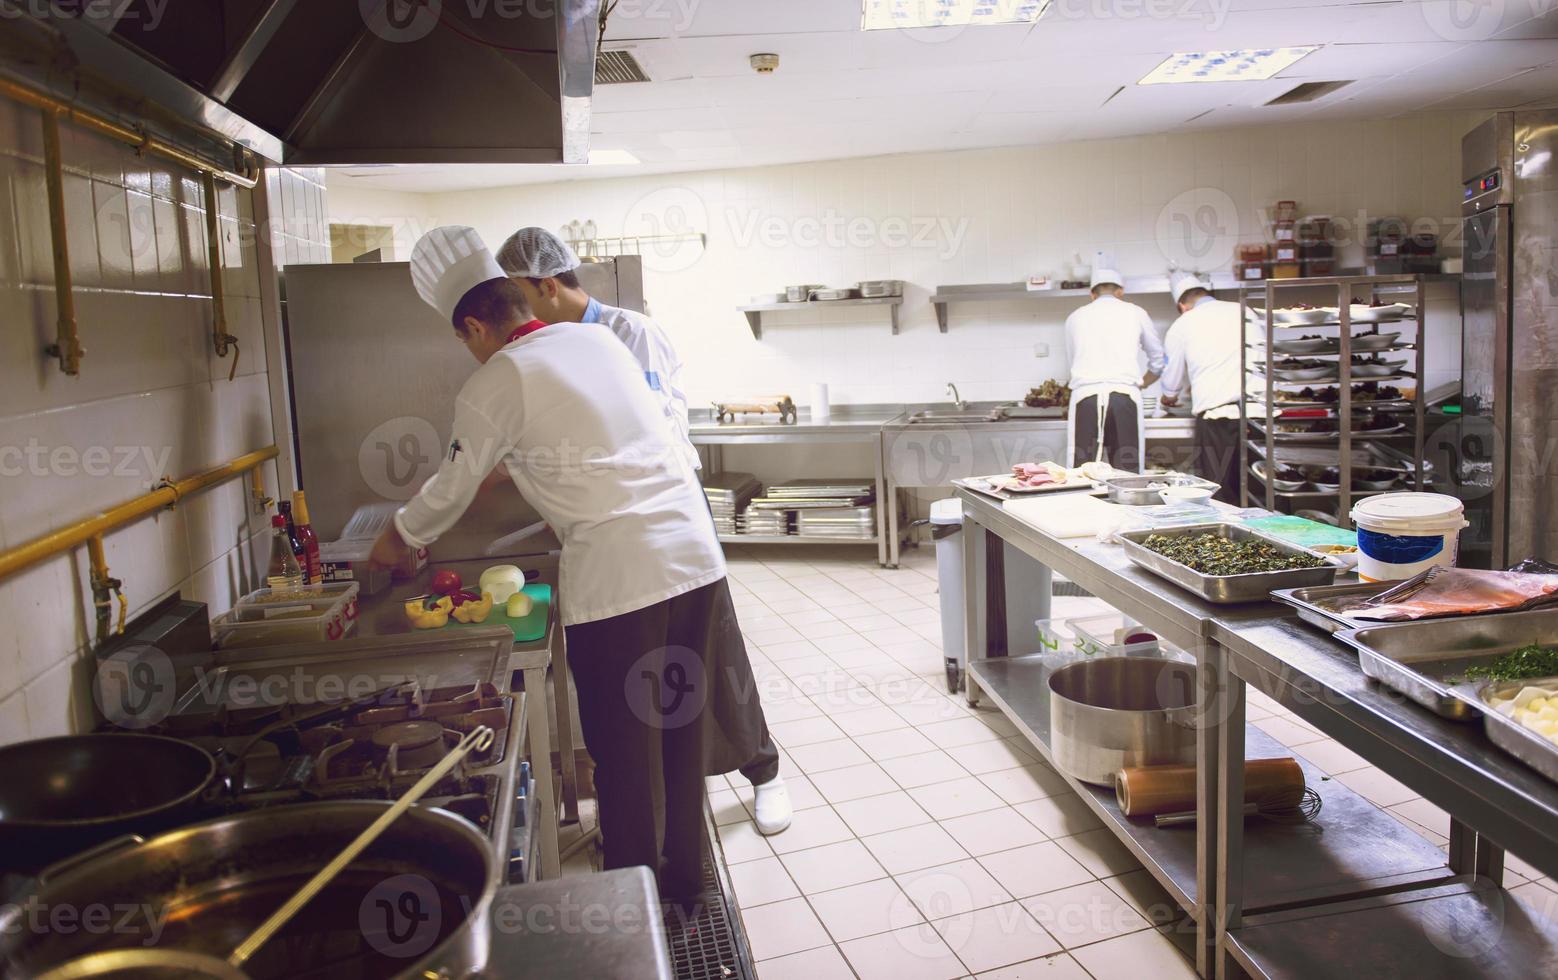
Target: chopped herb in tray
[[1518, 665], [1212, 554]]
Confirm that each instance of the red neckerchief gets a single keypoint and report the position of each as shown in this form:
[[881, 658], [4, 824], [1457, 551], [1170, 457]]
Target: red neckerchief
[[524, 330]]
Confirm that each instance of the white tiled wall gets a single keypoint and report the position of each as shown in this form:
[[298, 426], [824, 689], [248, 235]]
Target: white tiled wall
[[967, 217], [152, 399]]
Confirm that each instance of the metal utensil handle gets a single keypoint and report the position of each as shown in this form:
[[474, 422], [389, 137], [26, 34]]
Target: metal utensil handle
[[1189, 816], [477, 740]]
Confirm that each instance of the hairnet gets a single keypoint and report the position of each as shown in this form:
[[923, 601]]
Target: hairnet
[[536, 253]]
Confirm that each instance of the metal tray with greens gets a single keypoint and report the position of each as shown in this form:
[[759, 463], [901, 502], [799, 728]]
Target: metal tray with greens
[[1443, 663], [1226, 563]]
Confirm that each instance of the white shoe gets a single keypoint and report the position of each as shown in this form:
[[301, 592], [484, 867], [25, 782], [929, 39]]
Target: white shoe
[[771, 806]]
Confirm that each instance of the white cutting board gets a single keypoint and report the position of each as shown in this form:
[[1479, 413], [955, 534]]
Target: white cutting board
[[1075, 515]]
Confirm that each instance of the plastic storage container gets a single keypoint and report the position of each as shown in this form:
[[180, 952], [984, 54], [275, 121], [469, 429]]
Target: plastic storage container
[[1105, 636], [1403, 534], [302, 615]]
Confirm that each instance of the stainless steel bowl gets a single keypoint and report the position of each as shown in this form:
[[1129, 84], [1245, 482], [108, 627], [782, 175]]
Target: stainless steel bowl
[[1113, 712]]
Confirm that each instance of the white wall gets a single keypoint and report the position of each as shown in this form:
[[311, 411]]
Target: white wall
[[350, 203], [969, 216], [152, 399]]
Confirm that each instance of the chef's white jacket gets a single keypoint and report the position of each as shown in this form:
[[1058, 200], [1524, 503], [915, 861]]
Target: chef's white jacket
[[566, 410], [661, 365], [1203, 350], [1102, 339]]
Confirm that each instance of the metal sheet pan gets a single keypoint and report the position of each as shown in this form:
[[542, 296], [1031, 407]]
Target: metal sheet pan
[[1313, 604], [1226, 589], [1513, 737], [1426, 659]]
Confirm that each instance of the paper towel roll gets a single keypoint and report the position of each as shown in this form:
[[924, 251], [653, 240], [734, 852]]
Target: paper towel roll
[[821, 411]]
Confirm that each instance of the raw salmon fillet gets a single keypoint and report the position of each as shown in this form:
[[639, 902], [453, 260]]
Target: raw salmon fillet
[[1459, 592]]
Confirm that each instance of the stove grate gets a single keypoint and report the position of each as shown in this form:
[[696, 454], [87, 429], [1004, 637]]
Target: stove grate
[[710, 944]]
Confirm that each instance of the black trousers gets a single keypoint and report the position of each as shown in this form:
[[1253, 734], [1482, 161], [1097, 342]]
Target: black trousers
[[666, 696], [1217, 456], [1120, 433]]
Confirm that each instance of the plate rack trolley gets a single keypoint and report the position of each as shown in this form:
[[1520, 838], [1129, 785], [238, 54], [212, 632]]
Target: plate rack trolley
[[1263, 329]]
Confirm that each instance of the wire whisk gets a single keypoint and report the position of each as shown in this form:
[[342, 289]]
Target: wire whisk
[[1284, 807]]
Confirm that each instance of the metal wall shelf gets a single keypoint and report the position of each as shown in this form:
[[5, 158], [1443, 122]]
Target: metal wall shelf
[[996, 292], [754, 312]]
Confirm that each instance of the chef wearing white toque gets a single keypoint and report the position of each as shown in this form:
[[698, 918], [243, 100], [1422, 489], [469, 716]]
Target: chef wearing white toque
[[1102, 342], [651, 629], [1203, 354]]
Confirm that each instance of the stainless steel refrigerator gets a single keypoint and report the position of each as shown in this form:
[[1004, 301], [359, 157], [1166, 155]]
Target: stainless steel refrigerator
[[374, 373], [1508, 465]]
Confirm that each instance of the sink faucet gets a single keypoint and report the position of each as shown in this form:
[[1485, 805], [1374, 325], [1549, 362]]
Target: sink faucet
[[957, 399]]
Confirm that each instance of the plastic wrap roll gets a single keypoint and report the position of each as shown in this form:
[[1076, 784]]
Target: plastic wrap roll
[[1148, 790]]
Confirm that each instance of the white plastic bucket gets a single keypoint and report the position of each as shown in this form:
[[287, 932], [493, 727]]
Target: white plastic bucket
[[1403, 534]]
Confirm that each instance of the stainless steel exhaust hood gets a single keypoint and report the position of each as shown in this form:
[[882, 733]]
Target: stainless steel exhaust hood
[[327, 82]]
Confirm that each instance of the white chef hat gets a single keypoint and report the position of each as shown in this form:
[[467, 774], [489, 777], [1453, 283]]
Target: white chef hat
[[536, 253], [449, 262], [1102, 276], [1181, 283]]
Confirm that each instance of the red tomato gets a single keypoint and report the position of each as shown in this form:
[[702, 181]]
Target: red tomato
[[446, 582]]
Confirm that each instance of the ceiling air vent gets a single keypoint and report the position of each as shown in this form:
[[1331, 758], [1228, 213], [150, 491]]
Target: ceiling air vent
[[617, 68], [1307, 92]]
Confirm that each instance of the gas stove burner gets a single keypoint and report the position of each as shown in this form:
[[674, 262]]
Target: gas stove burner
[[410, 744]]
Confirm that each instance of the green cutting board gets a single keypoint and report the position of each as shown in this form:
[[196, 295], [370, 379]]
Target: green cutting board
[[527, 629], [1303, 532]]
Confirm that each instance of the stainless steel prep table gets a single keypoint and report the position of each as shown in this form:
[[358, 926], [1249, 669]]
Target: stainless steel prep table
[[1251, 889], [845, 427], [383, 614]]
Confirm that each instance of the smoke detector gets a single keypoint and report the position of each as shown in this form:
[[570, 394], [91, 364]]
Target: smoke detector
[[764, 64]]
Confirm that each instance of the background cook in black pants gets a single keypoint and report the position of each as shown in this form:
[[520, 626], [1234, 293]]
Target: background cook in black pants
[[1202, 349]]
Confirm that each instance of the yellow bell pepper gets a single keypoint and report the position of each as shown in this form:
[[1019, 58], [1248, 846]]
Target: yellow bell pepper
[[423, 617], [474, 612]]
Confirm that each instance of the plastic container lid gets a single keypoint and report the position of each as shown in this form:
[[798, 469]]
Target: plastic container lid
[[945, 512], [1410, 512]]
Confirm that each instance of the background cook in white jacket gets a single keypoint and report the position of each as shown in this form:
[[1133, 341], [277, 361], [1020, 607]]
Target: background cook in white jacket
[[1102, 341], [544, 265]]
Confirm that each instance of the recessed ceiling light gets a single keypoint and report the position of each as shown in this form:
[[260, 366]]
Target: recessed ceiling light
[[1225, 66], [612, 158], [886, 15]]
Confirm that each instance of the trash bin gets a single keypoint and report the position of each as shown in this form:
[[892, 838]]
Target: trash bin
[[946, 526]]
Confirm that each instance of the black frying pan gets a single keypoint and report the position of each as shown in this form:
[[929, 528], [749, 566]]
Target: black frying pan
[[59, 796]]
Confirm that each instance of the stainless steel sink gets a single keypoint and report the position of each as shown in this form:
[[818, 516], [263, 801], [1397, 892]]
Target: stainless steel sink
[[933, 416]]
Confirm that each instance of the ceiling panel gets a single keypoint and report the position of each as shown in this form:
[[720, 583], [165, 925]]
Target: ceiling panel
[[842, 92]]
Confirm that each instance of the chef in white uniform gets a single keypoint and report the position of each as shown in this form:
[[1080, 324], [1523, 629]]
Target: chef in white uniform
[[1203, 354], [651, 629], [1102, 343], [544, 267]]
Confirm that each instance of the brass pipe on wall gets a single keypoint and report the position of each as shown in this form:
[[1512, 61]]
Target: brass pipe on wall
[[67, 342], [104, 589], [13, 560], [220, 338], [103, 126]]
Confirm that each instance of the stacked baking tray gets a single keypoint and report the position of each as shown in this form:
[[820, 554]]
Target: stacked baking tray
[[844, 523], [833, 508], [729, 494]]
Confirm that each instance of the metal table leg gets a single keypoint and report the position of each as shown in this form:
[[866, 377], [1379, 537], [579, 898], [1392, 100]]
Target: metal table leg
[[540, 731], [886, 513], [566, 745], [1228, 893], [1473, 854], [1210, 705], [976, 603]]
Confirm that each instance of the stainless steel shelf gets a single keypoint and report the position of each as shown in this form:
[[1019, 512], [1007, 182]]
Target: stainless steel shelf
[[1461, 930], [1352, 846], [997, 292], [794, 539], [754, 312]]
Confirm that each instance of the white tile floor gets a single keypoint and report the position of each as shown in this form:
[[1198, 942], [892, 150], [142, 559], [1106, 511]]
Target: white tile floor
[[929, 841]]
